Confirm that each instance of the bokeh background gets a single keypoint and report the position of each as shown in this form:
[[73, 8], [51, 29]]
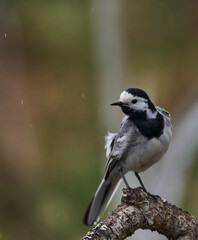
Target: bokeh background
[[61, 64]]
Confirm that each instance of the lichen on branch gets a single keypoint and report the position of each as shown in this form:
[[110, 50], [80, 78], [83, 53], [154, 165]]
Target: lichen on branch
[[139, 210]]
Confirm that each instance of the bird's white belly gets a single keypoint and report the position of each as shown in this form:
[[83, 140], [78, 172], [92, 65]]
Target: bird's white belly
[[142, 156]]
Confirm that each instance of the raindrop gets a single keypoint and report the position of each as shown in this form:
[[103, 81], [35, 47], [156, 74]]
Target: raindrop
[[83, 96]]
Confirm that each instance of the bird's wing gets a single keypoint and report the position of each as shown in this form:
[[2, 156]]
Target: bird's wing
[[166, 115], [163, 112], [120, 143]]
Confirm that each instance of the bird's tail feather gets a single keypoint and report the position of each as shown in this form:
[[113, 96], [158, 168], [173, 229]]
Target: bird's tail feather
[[101, 200]]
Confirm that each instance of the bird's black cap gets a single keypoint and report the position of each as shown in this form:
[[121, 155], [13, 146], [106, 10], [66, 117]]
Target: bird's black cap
[[138, 92]]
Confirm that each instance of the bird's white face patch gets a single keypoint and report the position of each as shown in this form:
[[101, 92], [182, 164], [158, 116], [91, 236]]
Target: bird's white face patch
[[125, 97], [140, 105]]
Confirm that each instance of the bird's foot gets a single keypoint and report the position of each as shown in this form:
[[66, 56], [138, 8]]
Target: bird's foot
[[155, 197]]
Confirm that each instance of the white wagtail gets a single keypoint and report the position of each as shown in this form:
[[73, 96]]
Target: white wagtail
[[142, 140]]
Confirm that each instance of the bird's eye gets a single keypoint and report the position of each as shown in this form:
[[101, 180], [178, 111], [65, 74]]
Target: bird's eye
[[134, 101]]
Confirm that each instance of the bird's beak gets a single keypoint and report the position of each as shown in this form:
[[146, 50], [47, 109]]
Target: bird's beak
[[118, 103]]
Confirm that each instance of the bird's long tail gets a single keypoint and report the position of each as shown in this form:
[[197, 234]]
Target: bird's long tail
[[101, 200]]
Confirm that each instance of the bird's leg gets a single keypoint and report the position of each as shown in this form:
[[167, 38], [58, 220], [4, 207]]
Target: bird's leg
[[143, 187], [141, 183], [123, 177]]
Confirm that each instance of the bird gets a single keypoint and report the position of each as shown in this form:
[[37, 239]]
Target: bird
[[143, 138]]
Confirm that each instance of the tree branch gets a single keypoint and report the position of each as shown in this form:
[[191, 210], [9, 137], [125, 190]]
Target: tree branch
[[141, 210]]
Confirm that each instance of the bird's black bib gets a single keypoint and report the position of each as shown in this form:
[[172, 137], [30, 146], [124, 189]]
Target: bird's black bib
[[149, 127]]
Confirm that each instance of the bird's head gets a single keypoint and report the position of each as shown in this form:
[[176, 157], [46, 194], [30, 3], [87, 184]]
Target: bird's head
[[135, 102]]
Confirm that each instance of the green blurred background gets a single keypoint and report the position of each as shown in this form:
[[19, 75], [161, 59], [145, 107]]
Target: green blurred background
[[53, 104]]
